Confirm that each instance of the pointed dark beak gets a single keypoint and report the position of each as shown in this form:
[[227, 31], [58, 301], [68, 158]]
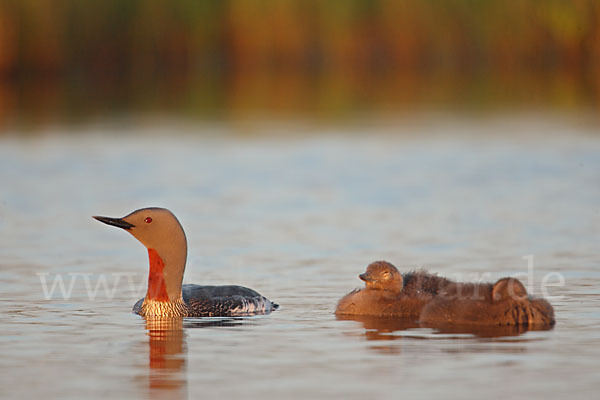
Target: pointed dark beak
[[118, 222], [366, 277]]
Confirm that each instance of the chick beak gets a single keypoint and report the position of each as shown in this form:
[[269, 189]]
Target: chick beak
[[118, 222], [366, 277]]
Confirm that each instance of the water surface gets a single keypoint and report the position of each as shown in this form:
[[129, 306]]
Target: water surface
[[297, 218]]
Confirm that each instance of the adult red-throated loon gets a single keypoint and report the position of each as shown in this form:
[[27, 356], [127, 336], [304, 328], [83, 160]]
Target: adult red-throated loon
[[160, 231]]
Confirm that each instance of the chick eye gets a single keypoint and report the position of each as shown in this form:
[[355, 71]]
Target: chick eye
[[148, 220]]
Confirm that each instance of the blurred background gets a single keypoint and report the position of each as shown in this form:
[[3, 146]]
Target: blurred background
[[68, 61]]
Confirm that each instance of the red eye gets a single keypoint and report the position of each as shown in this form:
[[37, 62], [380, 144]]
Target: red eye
[[148, 220]]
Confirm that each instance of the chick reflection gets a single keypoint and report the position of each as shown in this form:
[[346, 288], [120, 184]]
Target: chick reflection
[[480, 331], [380, 328]]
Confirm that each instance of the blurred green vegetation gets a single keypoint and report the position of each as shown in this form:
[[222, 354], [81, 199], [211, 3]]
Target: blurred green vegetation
[[69, 60]]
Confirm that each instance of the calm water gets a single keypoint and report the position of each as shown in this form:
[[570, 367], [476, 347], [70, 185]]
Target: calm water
[[297, 219]]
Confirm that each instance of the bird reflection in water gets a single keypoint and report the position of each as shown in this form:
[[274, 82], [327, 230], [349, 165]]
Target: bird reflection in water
[[167, 359], [480, 331], [168, 352], [382, 329], [387, 328]]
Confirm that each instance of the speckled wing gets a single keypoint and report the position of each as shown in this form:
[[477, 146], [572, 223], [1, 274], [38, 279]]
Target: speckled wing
[[225, 301]]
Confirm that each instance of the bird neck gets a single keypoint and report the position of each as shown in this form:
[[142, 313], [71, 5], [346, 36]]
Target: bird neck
[[396, 286], [165, 275]]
